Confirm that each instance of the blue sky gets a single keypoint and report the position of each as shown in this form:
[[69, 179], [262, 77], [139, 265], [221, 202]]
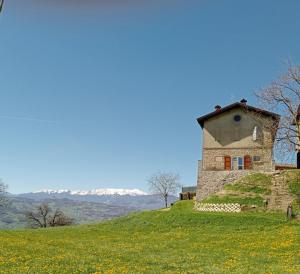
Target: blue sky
[[104, 93]]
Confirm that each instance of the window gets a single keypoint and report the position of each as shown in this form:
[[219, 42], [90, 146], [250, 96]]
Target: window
[[237, 163], [256, 158], [237, 118], [254, 134], [240, 163], [257, 134]]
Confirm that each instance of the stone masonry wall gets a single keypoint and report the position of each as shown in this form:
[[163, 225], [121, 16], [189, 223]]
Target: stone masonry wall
[[210, 182], [212, 176], [213, 159]]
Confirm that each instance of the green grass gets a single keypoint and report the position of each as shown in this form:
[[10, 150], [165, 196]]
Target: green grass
[[293, 180], [255, 183], [228, 199], [245, 188], [176, 241]]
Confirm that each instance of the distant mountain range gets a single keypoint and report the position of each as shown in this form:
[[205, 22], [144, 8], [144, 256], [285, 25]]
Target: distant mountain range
[[98, 192], [84, 206]]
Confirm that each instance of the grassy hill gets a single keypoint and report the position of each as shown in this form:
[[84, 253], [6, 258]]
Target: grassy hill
[[176, 241]]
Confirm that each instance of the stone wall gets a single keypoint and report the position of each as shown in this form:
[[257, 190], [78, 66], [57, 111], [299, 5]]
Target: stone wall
[[213, 159], [210, 182]]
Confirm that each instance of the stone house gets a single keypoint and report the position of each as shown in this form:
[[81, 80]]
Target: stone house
[[237, 139]]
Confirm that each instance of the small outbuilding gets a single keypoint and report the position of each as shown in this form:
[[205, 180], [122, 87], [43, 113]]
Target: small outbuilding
[[188, 193]]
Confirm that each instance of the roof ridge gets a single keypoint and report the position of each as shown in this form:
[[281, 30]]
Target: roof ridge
[[203, 118]]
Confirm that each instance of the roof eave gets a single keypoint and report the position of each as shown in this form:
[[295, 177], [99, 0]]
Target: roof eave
[[203, 118]]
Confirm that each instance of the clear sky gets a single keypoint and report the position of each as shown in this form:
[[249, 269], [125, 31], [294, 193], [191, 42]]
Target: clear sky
[[103, 93]]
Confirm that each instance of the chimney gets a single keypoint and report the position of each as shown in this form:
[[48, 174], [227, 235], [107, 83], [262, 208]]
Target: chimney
[[244, 101], [218, 107]]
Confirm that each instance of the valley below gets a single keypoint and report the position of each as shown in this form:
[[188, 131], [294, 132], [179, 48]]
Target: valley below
[[83, 208]]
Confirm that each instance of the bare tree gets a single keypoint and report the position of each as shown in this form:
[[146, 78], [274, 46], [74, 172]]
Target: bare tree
[[59, 219], [1, 5], [3, 198], [43, 217], [40, 217], [283, 97], [164, 184]]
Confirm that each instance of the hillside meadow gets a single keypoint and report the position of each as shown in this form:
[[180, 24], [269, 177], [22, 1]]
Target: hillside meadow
[[176, 241]]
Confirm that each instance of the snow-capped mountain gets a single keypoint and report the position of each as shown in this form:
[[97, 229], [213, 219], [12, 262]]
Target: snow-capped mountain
[[133, 199], [97, 192]]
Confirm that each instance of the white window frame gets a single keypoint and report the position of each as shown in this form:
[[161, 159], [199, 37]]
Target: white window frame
[[238, 165]]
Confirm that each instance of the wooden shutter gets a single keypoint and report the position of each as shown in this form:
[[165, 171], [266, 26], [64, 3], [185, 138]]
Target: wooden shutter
[[227, 162], [247, 162]]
